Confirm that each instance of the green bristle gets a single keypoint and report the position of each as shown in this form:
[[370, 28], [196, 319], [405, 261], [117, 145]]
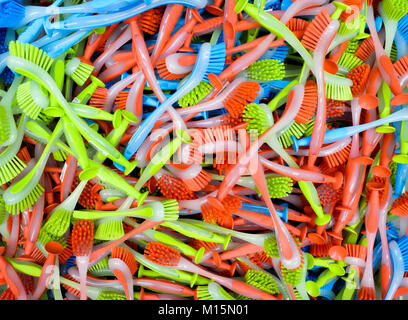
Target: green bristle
[[60, 155], [101, 269], [310, 126], [44, 118], [296, 129], [262, 281], [393, 53], [393, 167], [81, 73], [58, 223], [3, 212], [4, 125], [45, 237], [110, 295], [338, 92], [279, 186], [293, 276], [109, 229], [196, 95], [346, 28], [32, 99], [203, 293], [395, 9], [298, 296], [171, 210], [31, 53], [266, 70], [271, 247], [11, 169], [257, 118], [348, 61], [352, 46], [242, 297], [27, 202]]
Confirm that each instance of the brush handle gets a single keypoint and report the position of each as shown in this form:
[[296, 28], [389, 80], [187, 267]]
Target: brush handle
[[398, 270]]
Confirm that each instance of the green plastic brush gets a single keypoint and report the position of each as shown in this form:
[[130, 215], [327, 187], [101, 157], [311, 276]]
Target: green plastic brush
[[196, 95], [32, 98], [78, 71]]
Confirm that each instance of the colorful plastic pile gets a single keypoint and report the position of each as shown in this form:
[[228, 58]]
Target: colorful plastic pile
[[194, 150]]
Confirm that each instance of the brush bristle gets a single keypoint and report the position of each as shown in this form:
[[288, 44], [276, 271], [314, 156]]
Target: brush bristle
[[8, 295], [338, 92], [338, 158], [28, 102], [198, 244], [171, 209], [320, 250], [400, 206], [82, 237], [44, 237], [315, 29], [110, 295], [67, 287], [266, 70], [403, 246], [126, 256], [293, 276], [174, 188], [199, 182], [296, 24], [356, 250], [278, 187], [217, 60], [401, 66], [121, 100], [59, 222], [102, 265], [271, 247], [3, 212], [296, 130], [162, 254], [365, 49], [31, 53], [244, 94], [196, 95], [149, 20], [11, 169], [395, 9], [81, 73], [309, 103], [164, 72], [327, 195], [262, 281], [257, 118], [109, 229], [359, 76], [366, 293], [211, 214], [27, 202], [98, 98], [4, 125]]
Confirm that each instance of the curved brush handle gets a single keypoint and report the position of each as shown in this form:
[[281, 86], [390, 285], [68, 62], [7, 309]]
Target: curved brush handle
[[122, 272], [398, 270], [83, 263]]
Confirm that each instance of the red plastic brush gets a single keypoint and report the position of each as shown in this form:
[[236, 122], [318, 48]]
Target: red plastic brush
[[8, 295], [90, 197], [176, 66], [124, 265], [338, 158], [215, 214], [320, 250], [174, 188], [82, 240], [194, 176], [359, 75], [298, 26], [171, 258], [401, 66], [335, 108], [365, 49], [309, 103], [149, 20], [328, 195], [400, 206], [98, 98], [315, 29]]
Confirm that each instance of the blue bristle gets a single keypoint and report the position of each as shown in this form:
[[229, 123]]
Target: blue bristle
[[266, 89], [403, 246], [273, 4], [392, 232], [403, 27], [280, 53], [11, 13], [217, 60], [7, 76]]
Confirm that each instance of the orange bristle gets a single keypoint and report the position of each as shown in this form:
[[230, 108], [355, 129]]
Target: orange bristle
[[400, 206], [315, 29], [197, 244], [366, 293], [338, 158], [320, 250], [121, 99], [259, 258], [164, 72], [67, 252], [327, 195], [207, 26], [98, 98], [8, 295], [401, 66], [356, 250], [90, 196], [174, 188], [24, 155], [244, 267], [38, 256], [365, 49], [219, 216], [232, 203], [334, 108], [162, 254], [351, 13], [149, 20], [244, 94], [229, 121], [309, 103], [197, 183], [70, 289], [299, 25], [82, 237], [126, 256], [359, 76]]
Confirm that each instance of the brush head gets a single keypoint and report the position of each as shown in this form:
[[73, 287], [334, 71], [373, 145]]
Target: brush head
[[278, 187], [244, 94], [271, 247], [309, 103], [293, 276], [12, 12], [195, 95], [162, 254], [356, 250], [262, 281], [31, 53], [99, 97], [3, 212], [259, 118], [32, 98], [266, 70], [149, 21], [126, 256], [349, 61], [338, 158], [296, 130], [366, 293], [217, 60], [109, 229], [400, 206], [394, 9], [101, 266], [401, 66], [298, 26], [365, 49], [59, 222], [359, 75], [199, 182], [121, 100], [328, 195], [214, 212], [165, 73], [82, 237], [110, 295], [174, 188], [403, 246], [78, 71], [315, 29], [27, 202], [8, 295]]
